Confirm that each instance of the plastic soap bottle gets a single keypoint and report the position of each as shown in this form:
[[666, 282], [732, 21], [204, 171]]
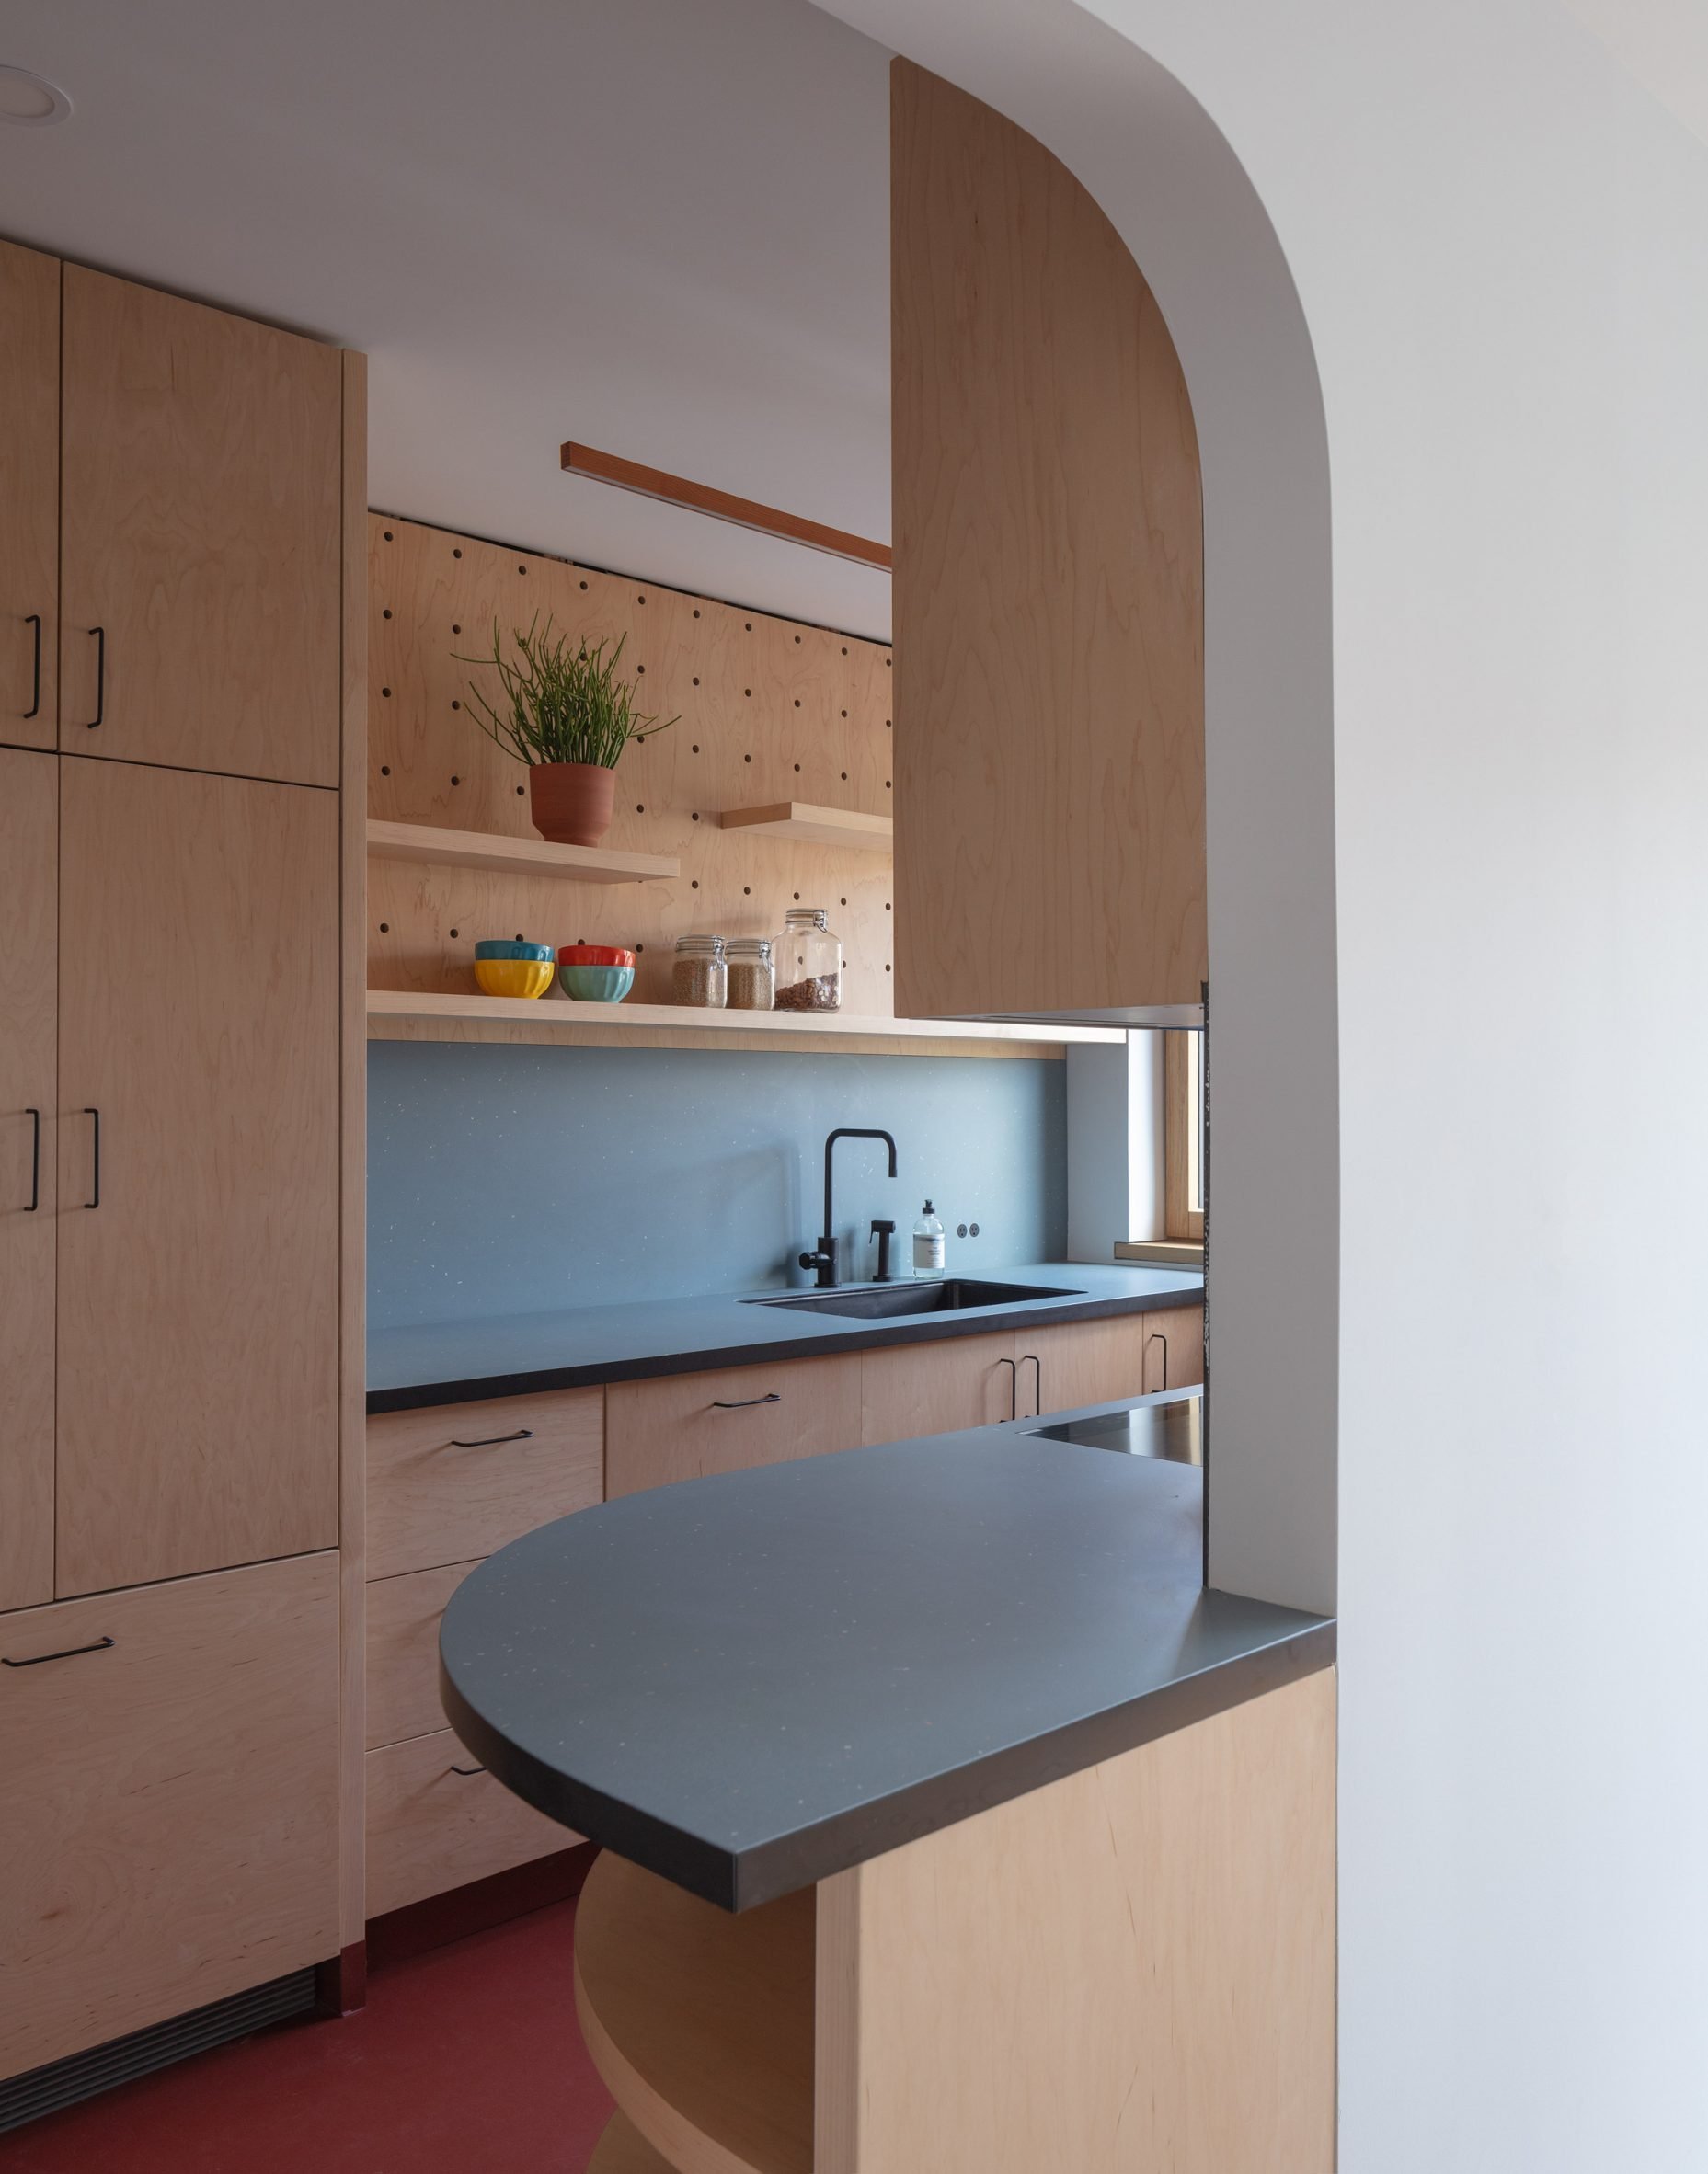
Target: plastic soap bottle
[[928, 1253]]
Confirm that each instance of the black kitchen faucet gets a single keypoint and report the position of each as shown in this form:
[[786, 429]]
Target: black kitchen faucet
[[827, 1260]]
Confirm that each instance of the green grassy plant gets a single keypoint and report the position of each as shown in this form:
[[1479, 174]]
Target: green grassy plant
[[562, 701]]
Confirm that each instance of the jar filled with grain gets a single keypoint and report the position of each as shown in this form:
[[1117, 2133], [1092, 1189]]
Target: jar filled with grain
[[752, 980], [808, 962], [699, 976]]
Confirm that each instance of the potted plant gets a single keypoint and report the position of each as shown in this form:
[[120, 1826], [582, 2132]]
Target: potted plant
[[568, 716]]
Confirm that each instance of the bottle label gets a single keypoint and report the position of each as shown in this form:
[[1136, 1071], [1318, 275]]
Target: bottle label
[[927, 1255]]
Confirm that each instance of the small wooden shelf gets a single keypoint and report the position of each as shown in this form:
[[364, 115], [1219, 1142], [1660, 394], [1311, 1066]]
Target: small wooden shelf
[[398, 1014], [514, 856], [814, 826], [700, 2021]]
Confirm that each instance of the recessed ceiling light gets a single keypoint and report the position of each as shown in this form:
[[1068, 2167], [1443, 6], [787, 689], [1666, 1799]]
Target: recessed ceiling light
[[29, 100]]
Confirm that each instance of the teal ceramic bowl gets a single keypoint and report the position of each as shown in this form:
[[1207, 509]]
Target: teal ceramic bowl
[[597, 985], [501, 948]]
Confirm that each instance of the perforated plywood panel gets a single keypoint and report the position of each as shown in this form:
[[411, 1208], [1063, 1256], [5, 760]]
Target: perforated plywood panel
[[769, 710]]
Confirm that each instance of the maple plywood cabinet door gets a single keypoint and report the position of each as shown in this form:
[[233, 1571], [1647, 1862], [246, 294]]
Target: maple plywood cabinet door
[[200, 508], [199, 1263], [169, 1801], [28, 495], [29, 909]]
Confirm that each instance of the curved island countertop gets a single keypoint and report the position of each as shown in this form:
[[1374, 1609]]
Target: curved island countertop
[[749, 1683]]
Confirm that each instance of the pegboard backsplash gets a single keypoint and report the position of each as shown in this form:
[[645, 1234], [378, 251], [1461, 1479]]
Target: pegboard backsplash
[[768, 710]]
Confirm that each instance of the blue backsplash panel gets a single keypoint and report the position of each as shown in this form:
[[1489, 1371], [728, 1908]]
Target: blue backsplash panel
[[512, 1179]]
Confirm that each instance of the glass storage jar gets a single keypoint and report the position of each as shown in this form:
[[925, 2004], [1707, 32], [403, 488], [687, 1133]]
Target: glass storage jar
[[698, 976], [808, 962], [752, 980]]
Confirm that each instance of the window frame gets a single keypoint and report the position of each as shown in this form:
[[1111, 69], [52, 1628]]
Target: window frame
[[1182, 1138]]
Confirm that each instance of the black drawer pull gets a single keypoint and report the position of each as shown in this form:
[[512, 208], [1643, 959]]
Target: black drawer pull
[[523, 1434], [94, 1198], [1014, 1387], [35, 1164], [100, 676], [69, 1653], [1037, 1378], [742, 1403], [468, 1769], [1156, 1337], [35, 699]]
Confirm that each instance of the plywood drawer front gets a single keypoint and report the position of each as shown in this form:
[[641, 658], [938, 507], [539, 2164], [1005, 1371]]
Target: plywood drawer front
[[1173, 1348], [431, 1828], [691, 1425], [402, 1651], [931, 1388], [168, 1802], [452, 1483]]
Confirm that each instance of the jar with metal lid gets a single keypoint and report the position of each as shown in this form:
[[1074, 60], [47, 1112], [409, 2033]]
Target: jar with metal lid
[[753, 978], [808, 962], [698, 976]]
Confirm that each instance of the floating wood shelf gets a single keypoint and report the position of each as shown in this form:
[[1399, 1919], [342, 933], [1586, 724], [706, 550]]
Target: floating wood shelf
[[401, 1014], [700, 2021], [818, 826], [514, 856]]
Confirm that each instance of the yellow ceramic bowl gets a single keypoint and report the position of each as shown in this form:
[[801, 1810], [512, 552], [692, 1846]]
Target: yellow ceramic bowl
[[514, 976]]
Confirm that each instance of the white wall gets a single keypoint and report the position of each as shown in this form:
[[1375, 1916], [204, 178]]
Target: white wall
[[1500, 245], [1115, 1144]]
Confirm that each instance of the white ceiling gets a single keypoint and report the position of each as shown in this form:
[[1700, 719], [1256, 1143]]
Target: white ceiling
[[659, 226]]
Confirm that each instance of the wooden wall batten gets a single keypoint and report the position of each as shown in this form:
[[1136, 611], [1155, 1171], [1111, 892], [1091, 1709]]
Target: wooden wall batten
[[769, 711], [1048, 588]]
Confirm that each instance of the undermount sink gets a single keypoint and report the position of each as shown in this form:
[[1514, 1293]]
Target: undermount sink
[[882, 1301]]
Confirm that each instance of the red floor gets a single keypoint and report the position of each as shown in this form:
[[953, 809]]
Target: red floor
[[465, 2061]]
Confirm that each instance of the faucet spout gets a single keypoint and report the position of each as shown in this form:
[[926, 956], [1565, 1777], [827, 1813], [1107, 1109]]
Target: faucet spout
[[825, 1259]]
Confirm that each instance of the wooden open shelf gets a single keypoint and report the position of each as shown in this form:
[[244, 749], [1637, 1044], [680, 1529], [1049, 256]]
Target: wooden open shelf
[[817, 826], [513, 857], [700, 2022], [413, 1015]]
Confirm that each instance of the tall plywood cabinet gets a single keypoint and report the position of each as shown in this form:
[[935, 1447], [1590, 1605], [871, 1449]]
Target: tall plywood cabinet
[[1048, 591], [180, 1201]]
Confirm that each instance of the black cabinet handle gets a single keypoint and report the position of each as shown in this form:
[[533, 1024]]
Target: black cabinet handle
[[1156, 1337], [35, 1163], [89, 1112], [741, 1403], [35, 694], [523, 1434], [67, 1654], [468, 1769], [1038, 1377], [100, 676], [1014, 1387]]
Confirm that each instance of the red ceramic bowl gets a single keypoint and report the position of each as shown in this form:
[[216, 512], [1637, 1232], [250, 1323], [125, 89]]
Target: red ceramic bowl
[[593, 954]]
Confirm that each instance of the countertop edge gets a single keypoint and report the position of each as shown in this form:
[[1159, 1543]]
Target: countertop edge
[[860, 1336], [740, 1880]]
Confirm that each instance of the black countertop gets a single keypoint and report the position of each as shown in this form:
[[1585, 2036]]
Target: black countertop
[[750, 1682], [515, 1354]]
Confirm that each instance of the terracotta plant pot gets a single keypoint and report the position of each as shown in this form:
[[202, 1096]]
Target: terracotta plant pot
[[571, 803]]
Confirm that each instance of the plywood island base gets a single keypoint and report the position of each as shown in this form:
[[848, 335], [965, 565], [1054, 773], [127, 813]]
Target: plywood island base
[[1129, 1970]]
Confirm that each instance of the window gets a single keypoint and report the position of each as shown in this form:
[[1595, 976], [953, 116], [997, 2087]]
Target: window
[[1183, 1137]]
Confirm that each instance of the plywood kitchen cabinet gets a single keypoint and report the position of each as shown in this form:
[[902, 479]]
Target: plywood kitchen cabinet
[[402, 1651], [935, 1388], [198, 1173], [1094, 1362], [28, 1104], [29, 302], [1049, 720], [168, 1799], [200, 607], [180, 1351], [685, 1426]]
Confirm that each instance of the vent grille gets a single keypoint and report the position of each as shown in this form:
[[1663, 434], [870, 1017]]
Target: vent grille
[[83, 2076]]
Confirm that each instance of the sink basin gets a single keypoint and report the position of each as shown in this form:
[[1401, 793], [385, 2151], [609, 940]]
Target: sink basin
[[884, 1301]]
